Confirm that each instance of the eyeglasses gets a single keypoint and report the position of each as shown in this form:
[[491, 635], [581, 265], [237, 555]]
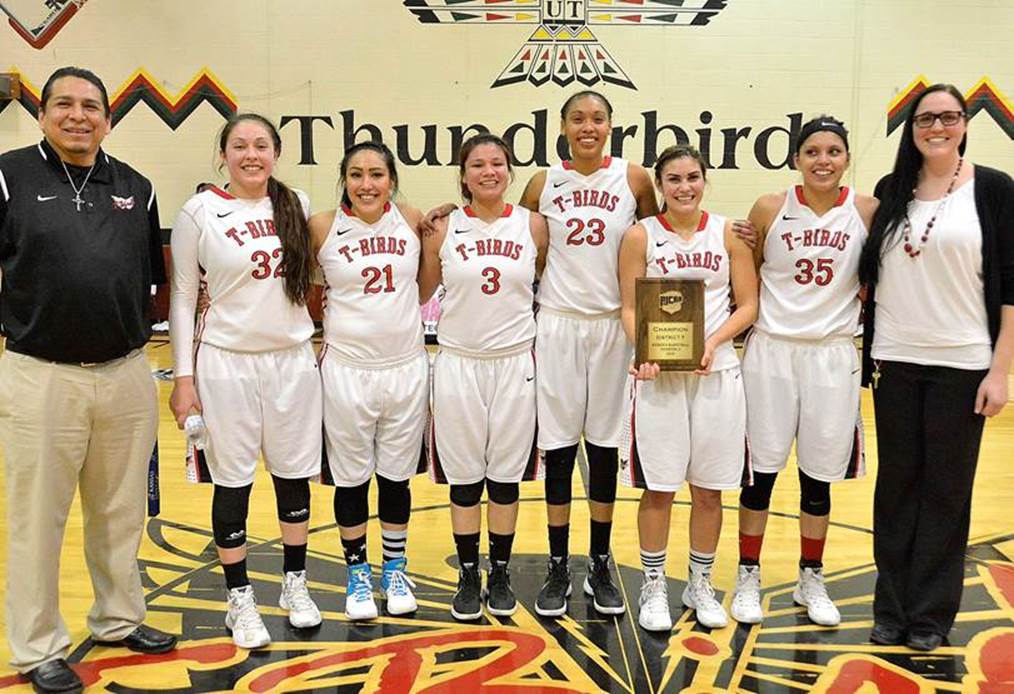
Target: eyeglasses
[[947, 118]]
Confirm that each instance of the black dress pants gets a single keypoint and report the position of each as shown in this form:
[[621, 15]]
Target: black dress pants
[[927, 446]]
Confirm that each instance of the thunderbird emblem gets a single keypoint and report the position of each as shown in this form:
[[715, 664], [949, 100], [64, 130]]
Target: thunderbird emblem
[[563, 48]]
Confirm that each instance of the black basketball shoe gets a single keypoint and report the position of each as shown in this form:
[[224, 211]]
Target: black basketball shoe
[[467, 604], [500, 600], [552, 599], [599, 585]]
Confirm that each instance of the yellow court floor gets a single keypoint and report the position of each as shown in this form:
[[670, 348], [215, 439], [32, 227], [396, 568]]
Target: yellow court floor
[[581, 652]]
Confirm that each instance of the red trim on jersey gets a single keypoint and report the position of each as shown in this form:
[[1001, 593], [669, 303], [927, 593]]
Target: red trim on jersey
[[351, 213], [221, 193], [507, 210], [843, 194], [607, 161], [668, 227]]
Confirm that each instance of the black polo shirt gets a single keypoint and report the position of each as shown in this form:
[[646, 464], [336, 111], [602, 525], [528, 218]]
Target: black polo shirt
[[76, 285]]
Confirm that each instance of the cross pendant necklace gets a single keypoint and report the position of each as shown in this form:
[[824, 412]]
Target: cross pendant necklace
[[77, 199]]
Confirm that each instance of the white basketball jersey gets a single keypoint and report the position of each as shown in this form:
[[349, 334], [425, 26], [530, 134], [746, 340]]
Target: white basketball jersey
[[488, 273], [703, 257], [239, 255], [371, 312], [587, 217], [809, 279]]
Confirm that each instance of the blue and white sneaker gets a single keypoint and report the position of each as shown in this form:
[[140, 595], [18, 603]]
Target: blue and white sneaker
[[359, 603], [397, 587]]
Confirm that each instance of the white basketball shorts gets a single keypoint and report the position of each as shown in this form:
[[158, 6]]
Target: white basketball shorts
[[686, 428], [260, 402], [582, 369], [807, 391]]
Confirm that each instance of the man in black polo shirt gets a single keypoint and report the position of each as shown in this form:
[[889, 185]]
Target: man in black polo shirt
[[79, 249]]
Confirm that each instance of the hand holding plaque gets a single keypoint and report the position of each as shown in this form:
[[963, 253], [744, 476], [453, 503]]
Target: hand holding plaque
[[669, 323]]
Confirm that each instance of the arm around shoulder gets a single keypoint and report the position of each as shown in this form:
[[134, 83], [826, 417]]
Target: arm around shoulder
[[643, 189], [430, 270], [533, 191], [540, 237], [320, 226]]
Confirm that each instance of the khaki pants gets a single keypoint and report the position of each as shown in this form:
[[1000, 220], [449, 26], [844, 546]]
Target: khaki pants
[[64, 426]]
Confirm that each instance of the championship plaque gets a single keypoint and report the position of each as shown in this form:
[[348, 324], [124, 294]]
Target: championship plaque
[[669, 319]]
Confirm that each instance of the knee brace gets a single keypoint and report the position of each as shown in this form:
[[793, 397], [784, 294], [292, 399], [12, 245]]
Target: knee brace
[[466, 495], [394, 501], [559, 471], [757, 497], [229, 508], [293, 499], [503, 493], [352, 505], [814, 495], [602, 466]]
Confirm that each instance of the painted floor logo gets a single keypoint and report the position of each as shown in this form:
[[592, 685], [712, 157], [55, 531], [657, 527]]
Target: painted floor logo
[[581, 652], [563, 48], [38, 21]]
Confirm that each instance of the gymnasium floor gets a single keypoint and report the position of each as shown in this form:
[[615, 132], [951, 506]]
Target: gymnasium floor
[[582, 652]]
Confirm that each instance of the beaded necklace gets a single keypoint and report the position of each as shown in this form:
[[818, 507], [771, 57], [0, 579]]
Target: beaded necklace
[[907, 224]]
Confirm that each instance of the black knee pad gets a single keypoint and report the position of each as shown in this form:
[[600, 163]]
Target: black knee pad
[[229, 508], [466, 495], [293, 499], [602, 466], [352, 505], [394, 501], [814, 495], [503, 493], [757, 497], [559, 471]]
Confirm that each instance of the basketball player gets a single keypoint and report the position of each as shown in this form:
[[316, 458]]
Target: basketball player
[[686, 427], [800, 367], [582, 354], [488, 256], [248, 365], [374, 369]]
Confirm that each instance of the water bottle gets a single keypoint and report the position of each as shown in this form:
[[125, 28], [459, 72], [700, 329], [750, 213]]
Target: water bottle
[[196, 431]]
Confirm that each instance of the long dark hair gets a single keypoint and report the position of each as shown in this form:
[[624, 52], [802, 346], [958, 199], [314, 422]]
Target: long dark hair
[[473, 142], [898, 190], [290, 218], [371, 146]]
